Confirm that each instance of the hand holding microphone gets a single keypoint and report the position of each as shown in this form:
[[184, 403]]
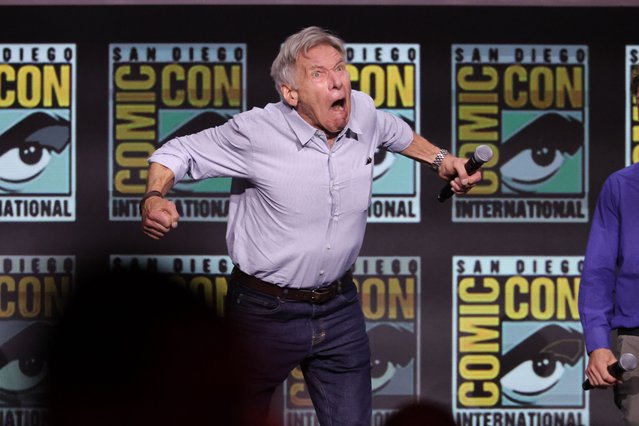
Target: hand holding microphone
[[626, 362], [482, 154]]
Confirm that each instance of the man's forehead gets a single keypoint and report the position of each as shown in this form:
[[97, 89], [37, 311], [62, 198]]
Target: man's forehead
[[313, 64], [329, 53], [324, 65]]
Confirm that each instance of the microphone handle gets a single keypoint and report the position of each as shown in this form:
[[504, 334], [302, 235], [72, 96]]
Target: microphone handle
[[471, 166], [615, 370], [586, 385]]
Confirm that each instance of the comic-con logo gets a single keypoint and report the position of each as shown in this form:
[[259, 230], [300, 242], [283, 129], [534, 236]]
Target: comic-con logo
[[37, 133], [389, 295], [518, 344], [161, 91], [389, 73], [529, 104], [34, 292]]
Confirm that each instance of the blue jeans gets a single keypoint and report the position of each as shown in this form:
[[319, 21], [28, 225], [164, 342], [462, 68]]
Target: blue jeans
[[328, 341]]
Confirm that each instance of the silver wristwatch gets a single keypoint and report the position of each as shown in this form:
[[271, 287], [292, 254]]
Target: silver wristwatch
[[438, 159]]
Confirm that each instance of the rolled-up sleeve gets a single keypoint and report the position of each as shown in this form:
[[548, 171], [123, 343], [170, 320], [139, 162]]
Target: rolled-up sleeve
[[216, 152]]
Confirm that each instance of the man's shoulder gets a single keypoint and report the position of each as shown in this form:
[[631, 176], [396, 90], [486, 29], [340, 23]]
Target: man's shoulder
[[258, 114], [628, 173], [361, 98], [623, 182], [363, 106]]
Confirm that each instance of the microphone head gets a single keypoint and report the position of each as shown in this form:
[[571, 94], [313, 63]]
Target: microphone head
[[628, 362], [483, 153]]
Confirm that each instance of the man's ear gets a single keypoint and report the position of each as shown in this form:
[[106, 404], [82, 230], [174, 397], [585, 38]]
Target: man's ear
[[289, 94]]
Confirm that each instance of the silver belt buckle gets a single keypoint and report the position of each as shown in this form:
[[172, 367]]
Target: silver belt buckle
[[317, 294]]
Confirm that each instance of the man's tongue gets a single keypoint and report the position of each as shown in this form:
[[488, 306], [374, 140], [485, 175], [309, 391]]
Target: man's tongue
[[338, 105]]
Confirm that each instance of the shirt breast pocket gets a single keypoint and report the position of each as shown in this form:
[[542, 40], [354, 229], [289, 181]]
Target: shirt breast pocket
[[357, 188]]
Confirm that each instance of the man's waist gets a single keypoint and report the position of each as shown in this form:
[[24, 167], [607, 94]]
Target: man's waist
[[628, 331], [625, 324], [320, 294]]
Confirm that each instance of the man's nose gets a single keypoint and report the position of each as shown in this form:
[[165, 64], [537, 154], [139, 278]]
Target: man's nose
[[335, 80]]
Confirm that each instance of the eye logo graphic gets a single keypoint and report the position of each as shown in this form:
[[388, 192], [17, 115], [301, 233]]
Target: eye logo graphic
[[392, 351], [35, 154], [543, 156], [383, 162], [541, 369], [23, 365]]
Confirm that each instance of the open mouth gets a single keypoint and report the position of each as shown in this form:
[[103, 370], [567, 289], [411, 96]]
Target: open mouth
[[338, 105]]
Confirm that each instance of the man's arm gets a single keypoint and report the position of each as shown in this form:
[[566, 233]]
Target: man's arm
[[596, 289], [451, 169], [159, 215]]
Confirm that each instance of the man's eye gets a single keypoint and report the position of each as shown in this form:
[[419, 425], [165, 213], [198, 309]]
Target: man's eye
[[316, 74]]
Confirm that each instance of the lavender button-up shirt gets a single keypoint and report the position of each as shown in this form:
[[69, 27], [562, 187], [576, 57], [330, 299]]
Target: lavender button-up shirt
[[298, 209]]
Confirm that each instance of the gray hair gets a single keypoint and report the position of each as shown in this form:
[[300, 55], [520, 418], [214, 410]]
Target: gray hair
[[283, 67]]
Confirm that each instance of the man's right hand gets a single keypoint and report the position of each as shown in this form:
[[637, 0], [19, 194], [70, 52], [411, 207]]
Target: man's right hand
[[159, 216], [597, 370]]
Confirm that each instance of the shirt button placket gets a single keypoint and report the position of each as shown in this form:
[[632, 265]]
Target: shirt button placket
[[333, 188]]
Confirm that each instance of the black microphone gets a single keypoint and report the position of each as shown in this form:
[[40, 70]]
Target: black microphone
[[482, 154], [626, 362]]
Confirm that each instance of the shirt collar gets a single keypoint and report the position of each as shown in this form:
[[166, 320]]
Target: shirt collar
[[305, 131]]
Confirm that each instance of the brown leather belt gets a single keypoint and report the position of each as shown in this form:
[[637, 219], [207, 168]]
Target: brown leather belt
[[315, 295]]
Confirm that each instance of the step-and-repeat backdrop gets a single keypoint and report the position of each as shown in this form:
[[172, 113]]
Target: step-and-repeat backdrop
[[464, 300]]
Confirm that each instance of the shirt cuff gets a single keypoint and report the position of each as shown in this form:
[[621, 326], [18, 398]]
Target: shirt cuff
[[171, 162], [597, 338]]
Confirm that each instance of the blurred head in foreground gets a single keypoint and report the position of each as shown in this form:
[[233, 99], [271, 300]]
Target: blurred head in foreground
[[135, 349]]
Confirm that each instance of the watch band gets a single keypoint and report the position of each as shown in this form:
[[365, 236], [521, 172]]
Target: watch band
[[147, 196], [437, 162]]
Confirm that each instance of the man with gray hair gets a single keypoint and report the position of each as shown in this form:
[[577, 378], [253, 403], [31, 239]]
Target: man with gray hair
[[302, 174]]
